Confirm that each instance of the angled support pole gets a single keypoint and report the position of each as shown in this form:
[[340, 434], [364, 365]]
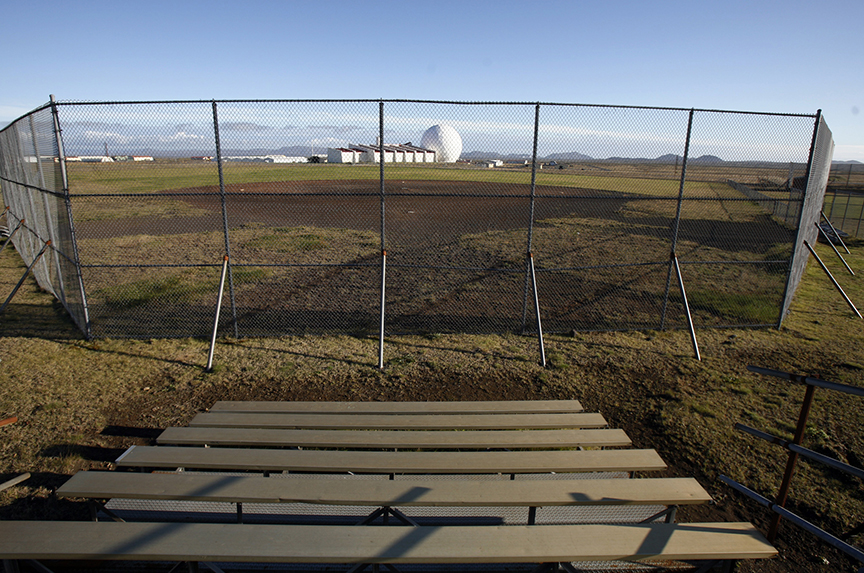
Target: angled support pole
[[27, 272], [833, 280], [687, 308], [537, 312], [209, 367], [836, 234], [828, 239], [12, 234]]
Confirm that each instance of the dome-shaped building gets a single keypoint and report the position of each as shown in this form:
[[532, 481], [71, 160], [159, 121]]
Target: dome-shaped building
[[444, 141]]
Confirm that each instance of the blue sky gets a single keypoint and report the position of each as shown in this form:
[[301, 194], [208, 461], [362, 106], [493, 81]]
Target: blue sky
[[772, 56]]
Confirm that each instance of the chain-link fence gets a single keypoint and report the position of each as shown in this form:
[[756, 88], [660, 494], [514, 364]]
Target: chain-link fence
[[845, 209], [567, 214]]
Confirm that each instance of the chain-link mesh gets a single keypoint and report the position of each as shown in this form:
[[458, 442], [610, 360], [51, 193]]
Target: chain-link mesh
[[142, 201]]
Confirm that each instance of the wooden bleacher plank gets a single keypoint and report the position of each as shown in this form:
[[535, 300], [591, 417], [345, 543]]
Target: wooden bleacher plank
[[377, 544], [444, 407], [323, 461], [438, 439], [403, 493], [401, 422]]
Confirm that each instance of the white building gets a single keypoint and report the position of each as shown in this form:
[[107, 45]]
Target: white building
[[266, 159], [360, 153], [91, 158]]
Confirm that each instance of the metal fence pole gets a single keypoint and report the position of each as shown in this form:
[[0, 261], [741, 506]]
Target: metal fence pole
[[858, 226], [687, 309], [845, 210], [12, 234], [822, 232], [792, 459], [382, 193], [27, 272], [225, 220], [537, 312], [836, 234], [833, 280], [677, 223], [209, 367], [529, 259], [86, 327]]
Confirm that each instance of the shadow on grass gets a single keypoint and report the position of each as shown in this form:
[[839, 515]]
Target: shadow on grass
[[136, 355], [132, 432], [33, 506], [90, 453]]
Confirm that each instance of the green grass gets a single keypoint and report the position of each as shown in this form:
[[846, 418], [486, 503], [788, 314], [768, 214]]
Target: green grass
[[285, 240], [156, 177], [184, 287], [757, 309], [848, 211]]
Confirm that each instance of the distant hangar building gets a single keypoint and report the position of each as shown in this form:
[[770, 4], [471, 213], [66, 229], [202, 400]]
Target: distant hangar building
[[440, 143], [401, 153]]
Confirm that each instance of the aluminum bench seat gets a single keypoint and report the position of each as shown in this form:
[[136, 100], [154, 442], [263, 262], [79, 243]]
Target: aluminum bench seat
[[249, 543], [402, 493], [337, 461], [442, 407], [382, 439], [400, 421]]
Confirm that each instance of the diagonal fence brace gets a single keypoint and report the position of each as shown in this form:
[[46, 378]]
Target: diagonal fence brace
[[828, 239], [12, 234], [27, 272], [833, 280]]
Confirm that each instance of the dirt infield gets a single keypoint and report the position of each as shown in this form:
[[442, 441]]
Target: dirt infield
[[415, 210]]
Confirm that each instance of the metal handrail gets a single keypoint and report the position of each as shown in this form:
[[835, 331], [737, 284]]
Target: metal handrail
[[795, 449], [844, 388], [807, 453], [850, 550]]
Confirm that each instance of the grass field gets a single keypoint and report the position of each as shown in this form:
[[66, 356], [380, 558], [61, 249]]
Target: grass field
[[845, 211], [97, 178]]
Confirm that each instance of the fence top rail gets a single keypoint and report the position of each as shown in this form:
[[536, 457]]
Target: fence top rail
[[844, 388], [59, 103]]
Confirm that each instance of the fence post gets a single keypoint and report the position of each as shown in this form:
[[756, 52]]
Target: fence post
[[677, 223], [845, 209], [529, 258], [225, 220], [792, 460], [382, 194], [61, 157]]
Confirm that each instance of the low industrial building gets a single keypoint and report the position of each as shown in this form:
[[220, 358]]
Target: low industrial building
[[400, 153]]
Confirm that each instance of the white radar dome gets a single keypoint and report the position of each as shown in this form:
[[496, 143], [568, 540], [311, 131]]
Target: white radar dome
[[444, 141]]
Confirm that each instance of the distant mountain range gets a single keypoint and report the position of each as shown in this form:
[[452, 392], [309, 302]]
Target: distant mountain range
[[576, 156]]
